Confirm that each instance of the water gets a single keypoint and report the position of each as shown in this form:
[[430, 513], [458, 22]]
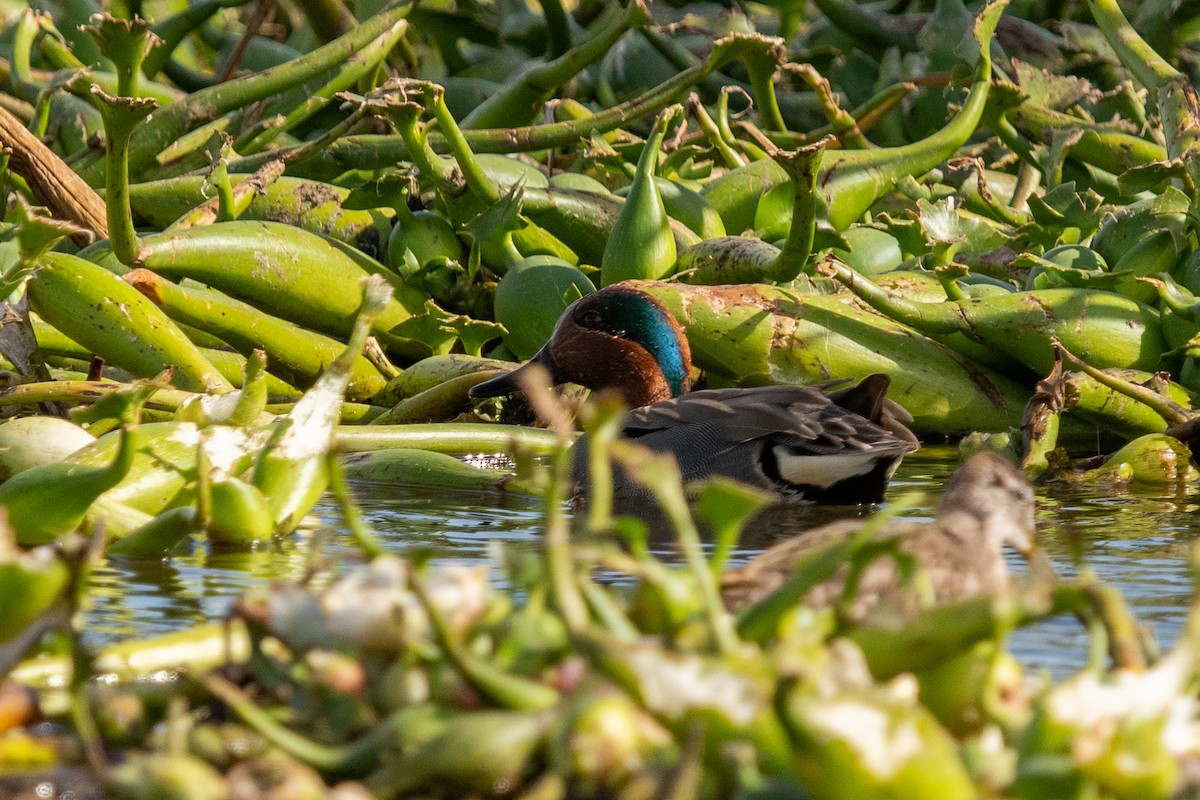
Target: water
[[1137, 540]]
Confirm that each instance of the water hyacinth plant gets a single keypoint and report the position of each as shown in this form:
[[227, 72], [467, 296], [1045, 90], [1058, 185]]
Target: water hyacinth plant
[[253, 253]]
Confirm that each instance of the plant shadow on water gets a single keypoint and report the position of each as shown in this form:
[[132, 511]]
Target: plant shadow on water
[[1136, 539]]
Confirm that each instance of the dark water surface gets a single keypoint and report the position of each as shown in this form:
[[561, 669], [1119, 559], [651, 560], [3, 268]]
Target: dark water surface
[[1136, 539]]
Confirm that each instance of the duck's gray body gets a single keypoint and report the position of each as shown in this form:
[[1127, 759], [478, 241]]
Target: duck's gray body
[[793, 441]]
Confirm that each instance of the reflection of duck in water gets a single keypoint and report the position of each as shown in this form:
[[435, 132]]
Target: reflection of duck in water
[[796, 441], [987, 503]]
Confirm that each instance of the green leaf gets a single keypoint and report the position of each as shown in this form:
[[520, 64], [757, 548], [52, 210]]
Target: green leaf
[[499, 218]]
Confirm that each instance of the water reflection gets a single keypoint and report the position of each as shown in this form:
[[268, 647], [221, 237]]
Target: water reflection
[[1135, 539]]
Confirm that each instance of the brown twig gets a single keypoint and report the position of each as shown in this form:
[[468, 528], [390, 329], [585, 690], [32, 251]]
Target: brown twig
[[54, 184]]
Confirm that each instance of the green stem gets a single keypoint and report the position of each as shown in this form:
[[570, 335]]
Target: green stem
[[604, 430], [205, 105], [801, 166], [302, 152], [374, 152], [347, 759], [327, 18], [859, 177], [557, 26], [929, 318], [351, 510], [1110, 150], [660, 475], [457, 438], [762, 68], [1169, 410], [1135, 54], [878, 29], [174, 29], [477, 180], [507, 690], [121, 115], [712, 132], [841, 123], [517, 100], [557, 543]]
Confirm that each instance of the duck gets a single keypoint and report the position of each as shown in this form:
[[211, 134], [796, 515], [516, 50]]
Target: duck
[[987, 504], [806, 443]]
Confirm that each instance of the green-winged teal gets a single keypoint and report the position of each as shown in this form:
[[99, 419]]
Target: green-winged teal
[[987, 504], [801, 442]]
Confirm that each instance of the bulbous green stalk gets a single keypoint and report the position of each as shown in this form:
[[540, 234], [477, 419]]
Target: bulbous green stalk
[[641, 244]]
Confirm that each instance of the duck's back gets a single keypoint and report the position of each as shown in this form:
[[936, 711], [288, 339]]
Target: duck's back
[[792, 440]]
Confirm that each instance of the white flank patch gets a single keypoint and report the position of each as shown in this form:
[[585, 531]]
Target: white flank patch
[[823, 471]]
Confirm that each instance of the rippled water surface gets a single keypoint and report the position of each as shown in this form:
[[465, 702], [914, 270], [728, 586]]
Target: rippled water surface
[[1137, 539]]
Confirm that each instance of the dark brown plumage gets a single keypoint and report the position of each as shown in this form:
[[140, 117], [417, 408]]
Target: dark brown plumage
[[987, 503]]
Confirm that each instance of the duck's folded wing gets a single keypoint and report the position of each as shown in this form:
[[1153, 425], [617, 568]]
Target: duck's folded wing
[[789, 439]]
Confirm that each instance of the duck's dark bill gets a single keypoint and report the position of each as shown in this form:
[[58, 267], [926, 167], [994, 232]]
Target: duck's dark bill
[[510, 382]]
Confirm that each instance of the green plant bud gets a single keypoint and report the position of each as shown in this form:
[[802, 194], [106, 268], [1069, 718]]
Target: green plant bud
[[664, 600], [641, 244], [686, 205], [736, 194], [27, 442], [1154, 253], [165, 461], [47, 501], [427, 234], [240, 515], [727, 260], [1123, 230], [154, 538], [1155, 459], [532, 296], [1070, 256], [485, 752], [603, 740]]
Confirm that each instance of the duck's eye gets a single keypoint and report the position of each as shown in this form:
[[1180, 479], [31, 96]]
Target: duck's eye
[[590, 319]]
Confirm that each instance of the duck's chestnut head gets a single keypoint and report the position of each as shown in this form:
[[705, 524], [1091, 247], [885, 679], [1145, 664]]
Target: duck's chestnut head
[[615, 338]]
